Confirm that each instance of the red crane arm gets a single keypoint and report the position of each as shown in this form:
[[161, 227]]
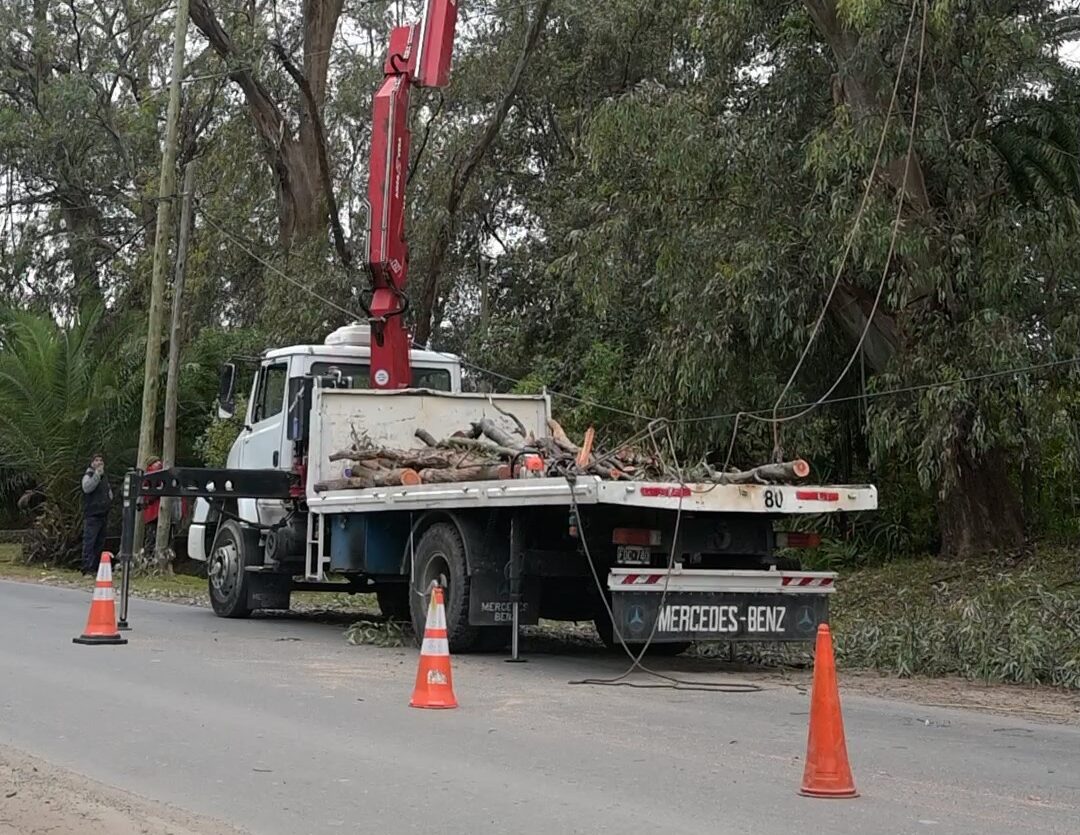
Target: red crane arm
[[419, 55]]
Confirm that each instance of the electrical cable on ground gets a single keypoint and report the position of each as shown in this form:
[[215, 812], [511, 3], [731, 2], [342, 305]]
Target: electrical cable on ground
[[666, 681]]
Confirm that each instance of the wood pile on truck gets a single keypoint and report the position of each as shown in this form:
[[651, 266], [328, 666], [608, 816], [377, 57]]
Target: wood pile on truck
[[489, 452]]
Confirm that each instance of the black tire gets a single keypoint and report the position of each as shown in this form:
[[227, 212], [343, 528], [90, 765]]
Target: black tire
[[440, 556], [226, 578], [394, 602], [607, 635]]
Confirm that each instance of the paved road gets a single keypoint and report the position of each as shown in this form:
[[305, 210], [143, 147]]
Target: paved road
[[277, 726]]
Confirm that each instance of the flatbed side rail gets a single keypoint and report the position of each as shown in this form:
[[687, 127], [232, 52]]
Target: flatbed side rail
[[717, 498]]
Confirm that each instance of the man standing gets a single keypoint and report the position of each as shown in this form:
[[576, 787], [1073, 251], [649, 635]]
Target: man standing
[[97, 497]]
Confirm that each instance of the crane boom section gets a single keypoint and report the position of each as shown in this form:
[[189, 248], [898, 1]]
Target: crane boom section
[[419, 55]]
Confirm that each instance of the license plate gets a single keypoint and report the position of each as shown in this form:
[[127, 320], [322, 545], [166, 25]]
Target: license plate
[[633, 555]]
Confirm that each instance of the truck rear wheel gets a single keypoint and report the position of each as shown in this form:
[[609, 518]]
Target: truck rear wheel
[[440, 558], [227, 580]]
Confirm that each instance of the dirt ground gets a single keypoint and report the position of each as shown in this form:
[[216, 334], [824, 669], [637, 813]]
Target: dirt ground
[[40, 799], [1040, 704]]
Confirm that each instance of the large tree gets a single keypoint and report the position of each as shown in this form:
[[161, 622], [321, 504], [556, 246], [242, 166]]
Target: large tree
[[290, 137], [696, 217]]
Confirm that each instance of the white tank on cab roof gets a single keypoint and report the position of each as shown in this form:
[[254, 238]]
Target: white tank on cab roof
[[358, 333]]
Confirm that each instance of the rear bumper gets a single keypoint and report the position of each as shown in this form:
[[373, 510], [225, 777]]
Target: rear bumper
[[698, 605]]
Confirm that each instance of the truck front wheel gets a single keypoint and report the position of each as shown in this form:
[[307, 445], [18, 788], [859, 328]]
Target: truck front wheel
[[440, 558], [228, 581]]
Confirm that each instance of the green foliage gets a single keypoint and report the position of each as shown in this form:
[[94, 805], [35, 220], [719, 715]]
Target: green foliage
[[381, 634], [213, 445], [198, 389], [1014, 630], [66, 392], [655, 229]]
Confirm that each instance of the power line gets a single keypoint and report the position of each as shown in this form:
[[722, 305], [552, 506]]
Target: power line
[[850, 241], [754, 414], [872, 395], [276, 270], [901, 196]]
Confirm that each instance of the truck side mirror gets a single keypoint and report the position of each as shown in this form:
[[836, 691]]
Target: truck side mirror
[[227, 391], [299, 409]]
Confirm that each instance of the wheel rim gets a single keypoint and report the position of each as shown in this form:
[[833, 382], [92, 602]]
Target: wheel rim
[[437, 570], [224, 569]]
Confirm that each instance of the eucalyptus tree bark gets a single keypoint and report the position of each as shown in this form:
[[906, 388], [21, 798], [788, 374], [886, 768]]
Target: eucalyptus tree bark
[[463, 174], [292, 153], [982, 509]]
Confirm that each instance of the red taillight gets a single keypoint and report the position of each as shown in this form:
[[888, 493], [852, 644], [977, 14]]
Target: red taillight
[[797, 539], [635, 536], [817, 496], [656, 492]]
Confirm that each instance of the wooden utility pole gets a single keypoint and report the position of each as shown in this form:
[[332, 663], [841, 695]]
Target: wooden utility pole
[[166, 193], [162, 548]]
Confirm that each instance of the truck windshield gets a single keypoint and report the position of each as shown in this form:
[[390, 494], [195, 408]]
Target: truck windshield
[[437, 379]]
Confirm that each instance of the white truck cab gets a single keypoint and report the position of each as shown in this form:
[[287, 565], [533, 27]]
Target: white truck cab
[[263, 442]]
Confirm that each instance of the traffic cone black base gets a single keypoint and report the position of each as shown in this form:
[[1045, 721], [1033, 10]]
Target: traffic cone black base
[[103, 639]]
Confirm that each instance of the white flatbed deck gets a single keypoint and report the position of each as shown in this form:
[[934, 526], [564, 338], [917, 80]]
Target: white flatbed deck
[[591, 490]]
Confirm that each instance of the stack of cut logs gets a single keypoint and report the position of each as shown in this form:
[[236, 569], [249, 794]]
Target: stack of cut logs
[[488, 452]]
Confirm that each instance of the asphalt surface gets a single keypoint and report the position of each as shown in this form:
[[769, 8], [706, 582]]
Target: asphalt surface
[[277, 726]]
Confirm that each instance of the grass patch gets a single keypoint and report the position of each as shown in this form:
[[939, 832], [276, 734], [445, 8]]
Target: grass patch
[[159, 587], [181, 587]]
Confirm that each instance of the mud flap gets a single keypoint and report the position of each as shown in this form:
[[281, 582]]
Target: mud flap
[[489, 600], [720, 616], [268, 591]]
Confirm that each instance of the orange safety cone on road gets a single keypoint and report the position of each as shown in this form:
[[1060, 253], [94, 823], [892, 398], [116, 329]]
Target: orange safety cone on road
[[101, 625], [827, 772], [434, 683]]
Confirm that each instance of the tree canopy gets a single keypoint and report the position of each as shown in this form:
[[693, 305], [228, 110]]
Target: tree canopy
[[672, 196]]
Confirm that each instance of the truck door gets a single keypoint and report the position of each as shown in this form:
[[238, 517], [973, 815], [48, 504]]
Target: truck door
[[263, 439]]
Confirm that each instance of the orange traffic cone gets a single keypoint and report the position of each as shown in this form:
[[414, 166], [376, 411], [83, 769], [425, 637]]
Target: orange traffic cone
[[101, 625], [827, 772], [434, 683]]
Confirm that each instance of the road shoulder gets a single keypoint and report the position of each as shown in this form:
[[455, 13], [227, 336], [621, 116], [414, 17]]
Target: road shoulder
[[37, 797]]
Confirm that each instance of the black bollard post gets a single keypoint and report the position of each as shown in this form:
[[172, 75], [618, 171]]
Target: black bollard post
[[127, 540]]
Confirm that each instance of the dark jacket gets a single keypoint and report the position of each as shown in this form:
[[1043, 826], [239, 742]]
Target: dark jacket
[[97, 494]]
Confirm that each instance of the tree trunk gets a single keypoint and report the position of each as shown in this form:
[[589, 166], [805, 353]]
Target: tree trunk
[[83, 226], [983, 512], [292, 154]]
